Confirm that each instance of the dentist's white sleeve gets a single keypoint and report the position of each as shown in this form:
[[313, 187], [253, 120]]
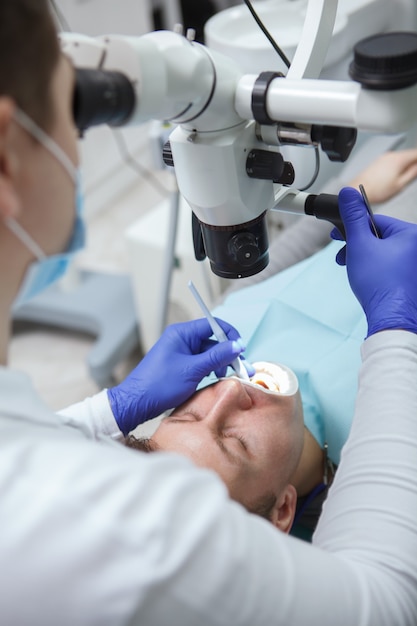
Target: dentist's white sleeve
[[94, 416], [370, 518]]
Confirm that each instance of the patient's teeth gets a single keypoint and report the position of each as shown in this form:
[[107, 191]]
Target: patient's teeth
[[274, 377], [266, 381]]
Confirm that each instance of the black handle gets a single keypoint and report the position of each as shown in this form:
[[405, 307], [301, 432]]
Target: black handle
[[325, 206]]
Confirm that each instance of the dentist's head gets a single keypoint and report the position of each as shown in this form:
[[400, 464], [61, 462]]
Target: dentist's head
[[38, 148]]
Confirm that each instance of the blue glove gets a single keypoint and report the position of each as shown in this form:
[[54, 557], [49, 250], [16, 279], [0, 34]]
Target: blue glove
[[171, 371], [382, 272]]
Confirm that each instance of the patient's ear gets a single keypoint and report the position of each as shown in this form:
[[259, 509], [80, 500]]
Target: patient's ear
[[283, 513]]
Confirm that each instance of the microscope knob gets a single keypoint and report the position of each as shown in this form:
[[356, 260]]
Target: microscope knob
[[387, 61], [268, 165], [244, 248]]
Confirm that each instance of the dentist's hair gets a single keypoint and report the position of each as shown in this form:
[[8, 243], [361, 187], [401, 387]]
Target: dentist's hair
[[29, 52]]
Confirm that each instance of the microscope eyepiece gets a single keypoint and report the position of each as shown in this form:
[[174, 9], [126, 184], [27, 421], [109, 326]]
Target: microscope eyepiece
[[102, 97]]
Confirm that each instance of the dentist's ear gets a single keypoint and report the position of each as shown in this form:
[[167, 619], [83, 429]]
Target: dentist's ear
[[9, 200]]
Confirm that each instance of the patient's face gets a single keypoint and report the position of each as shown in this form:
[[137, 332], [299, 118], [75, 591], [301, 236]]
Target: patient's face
[[251, 438]]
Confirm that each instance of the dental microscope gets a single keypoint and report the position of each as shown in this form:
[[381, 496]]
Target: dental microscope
[[229, 126]]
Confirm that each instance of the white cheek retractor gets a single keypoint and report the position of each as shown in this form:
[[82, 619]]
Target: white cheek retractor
[[275, 378]]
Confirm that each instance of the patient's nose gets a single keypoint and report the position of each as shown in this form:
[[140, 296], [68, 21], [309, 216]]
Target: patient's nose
[[231, 399]]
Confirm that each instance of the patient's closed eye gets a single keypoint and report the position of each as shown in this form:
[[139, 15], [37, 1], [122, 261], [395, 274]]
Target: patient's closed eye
[[183, 417], [238, 438]]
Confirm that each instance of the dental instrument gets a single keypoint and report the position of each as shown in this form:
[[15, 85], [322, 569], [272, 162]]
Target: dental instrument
[[218, 331], [370, 211]]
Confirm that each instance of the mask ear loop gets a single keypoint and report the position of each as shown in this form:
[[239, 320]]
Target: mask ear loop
[[36, 131], [25, 238], [33, 129]]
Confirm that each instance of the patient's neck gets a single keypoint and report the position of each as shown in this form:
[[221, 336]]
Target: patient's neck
[[310, 470]]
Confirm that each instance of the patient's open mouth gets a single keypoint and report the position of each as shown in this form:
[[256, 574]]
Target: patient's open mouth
[[274, 377], [266, 381]]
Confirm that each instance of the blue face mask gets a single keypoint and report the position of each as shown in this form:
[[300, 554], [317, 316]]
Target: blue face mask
[[47, 269]]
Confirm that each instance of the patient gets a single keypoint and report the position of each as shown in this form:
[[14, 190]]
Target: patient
[[253, 436]]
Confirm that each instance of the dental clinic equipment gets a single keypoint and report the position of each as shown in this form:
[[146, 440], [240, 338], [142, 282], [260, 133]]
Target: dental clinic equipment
[[229, 126], [218, 332]]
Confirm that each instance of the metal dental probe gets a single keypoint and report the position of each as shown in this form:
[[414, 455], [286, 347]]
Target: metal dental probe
[[370, 212]]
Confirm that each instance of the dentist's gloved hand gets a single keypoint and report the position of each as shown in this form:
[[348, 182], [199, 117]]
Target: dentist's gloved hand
[[382, 272], [170, 372]]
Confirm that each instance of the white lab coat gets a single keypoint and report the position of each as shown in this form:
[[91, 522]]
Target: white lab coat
[[93, 533]]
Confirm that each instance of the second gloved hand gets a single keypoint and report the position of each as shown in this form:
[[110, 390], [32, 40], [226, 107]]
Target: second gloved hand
[[382, 272], [171, 371]]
